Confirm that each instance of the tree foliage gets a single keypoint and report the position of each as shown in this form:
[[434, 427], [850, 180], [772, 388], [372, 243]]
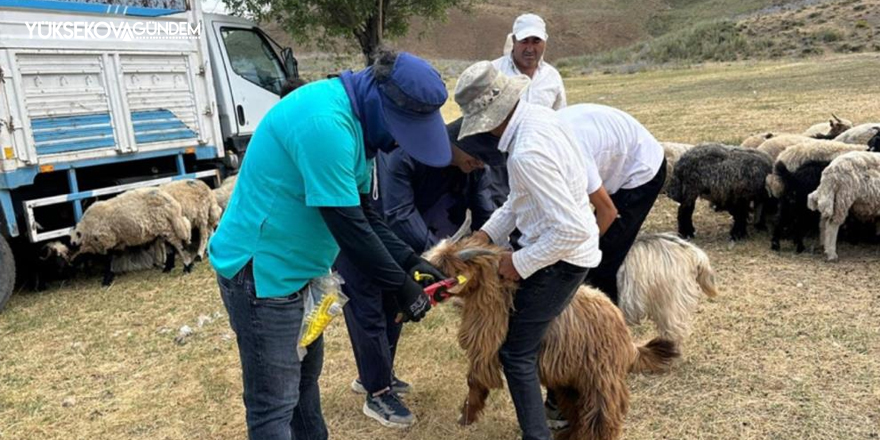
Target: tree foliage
[[332, 23]]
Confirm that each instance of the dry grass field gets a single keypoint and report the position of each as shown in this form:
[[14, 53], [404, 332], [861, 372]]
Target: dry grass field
[[789, 350]]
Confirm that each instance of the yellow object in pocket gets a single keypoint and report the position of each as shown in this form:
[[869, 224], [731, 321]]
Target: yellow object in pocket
[[320, 317]]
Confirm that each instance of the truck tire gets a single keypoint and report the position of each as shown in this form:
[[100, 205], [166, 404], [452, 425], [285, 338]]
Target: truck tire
[[7, 272]]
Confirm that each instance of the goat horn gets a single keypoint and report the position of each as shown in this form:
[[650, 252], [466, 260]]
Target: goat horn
[[835, 117], [464, 229], [471, 253]]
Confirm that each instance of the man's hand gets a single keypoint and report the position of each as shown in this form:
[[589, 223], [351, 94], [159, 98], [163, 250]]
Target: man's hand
[[506, 269], [481, 237], [424, 267], [412, 301]]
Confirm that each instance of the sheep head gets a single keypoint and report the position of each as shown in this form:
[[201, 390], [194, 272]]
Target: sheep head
[[93, 234], [675, 190], [838, 126], [476, 261], [55, 249]]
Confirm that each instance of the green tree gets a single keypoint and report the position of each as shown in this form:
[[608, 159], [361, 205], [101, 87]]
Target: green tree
[[331, 22]]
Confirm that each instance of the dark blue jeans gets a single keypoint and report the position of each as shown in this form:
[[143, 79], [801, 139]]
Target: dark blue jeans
[[539, 299], [281, 394], [369, 316]]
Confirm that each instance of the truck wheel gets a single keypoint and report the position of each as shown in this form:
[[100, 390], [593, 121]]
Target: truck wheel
[[7, 272]]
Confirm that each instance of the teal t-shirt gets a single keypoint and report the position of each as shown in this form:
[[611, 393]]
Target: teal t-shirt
[[306, 153]]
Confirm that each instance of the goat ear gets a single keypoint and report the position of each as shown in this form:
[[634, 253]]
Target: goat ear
[[471, 253]]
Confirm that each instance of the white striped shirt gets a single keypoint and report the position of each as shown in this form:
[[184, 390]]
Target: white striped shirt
[[546, 87], [548, 198]]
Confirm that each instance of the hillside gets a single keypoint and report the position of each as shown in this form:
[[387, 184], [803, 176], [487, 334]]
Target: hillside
[[801, 30], [576, 27]]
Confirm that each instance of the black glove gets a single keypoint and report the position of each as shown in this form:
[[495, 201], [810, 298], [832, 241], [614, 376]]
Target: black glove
[[422, 266], [412, 301]]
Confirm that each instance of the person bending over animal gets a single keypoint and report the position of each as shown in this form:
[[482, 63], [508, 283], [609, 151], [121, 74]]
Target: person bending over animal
[[421, 205], [548, 203], [626, 170], [300, 198]]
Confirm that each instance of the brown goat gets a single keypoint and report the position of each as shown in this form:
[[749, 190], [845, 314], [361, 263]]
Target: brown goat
[[586, 353]]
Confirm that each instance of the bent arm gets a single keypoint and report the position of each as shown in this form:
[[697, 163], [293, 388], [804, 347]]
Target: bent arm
[[606, 212]]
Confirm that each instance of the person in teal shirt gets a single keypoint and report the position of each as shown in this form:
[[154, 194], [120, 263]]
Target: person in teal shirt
[[300, 197]]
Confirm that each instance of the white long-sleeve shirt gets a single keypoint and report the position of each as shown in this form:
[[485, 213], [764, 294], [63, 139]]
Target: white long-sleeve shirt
[[620, 152], [546, 88], [548, 198]]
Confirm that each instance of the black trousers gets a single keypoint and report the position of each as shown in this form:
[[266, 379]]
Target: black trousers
[[369, 316], [538, 301], [633, 206]]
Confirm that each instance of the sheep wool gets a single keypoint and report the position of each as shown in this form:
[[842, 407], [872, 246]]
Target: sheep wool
[[662, 279], [850, 184], [731, 178], [828, 130], [775, 146], [755, 140], [860, 134], [224, 193], [814, 150], [133, 218], [198, 205]]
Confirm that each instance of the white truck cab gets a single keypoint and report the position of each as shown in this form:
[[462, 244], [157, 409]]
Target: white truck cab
[[93, 104], [249, 70]]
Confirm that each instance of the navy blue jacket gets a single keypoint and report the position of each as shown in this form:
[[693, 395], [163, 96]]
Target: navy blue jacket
[[423, 205]]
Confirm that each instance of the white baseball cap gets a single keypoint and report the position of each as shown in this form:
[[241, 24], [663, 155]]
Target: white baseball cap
[[529, 25]]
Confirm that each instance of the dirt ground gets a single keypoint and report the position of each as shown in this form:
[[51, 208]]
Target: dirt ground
[[789, 349]]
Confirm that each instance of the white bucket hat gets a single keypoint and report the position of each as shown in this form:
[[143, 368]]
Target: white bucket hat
[[486, 97]]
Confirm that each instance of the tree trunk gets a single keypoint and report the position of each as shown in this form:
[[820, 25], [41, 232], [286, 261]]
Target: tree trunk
[[370, 37]]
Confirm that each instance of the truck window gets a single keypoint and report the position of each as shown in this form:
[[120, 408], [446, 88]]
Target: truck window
[[253, 59]]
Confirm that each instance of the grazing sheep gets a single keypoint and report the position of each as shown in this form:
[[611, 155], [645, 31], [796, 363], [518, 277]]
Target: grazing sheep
[[130, 259], [731, 178], [860, 134], [224, 192], [774, 147], [663, 278], [199, 206], [797, 173], [755, 140], [850, 184], [586, 353], [134, 218], [829, 130], [48, 264], [672, 151]]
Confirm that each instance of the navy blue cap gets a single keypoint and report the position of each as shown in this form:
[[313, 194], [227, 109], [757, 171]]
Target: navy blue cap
[[411, 101], [483, 146]]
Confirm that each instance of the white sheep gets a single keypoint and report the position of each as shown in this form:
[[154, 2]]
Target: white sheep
[[134, 218], [850, 184], [796, 173], [199, 205], [755, 140], [830, 129], [663, 278], [860, 134], [776, 145], [224, 192]]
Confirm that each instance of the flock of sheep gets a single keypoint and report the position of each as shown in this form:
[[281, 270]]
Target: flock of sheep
[[133, 231], [826, 177]]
